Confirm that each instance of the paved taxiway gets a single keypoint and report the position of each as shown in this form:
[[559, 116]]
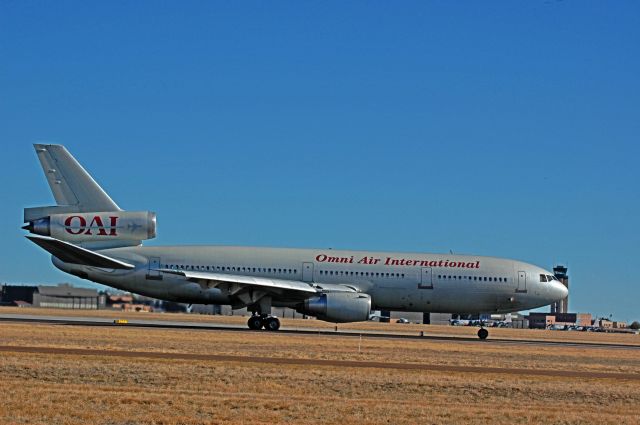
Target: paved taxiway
[[162, 324]]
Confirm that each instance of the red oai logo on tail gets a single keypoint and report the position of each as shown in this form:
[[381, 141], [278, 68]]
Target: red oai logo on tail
[[77, 225]]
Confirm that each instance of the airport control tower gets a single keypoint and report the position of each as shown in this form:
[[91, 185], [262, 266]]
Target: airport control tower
[[561, 306]]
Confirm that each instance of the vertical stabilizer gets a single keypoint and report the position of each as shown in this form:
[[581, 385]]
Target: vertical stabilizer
[[72, 187]]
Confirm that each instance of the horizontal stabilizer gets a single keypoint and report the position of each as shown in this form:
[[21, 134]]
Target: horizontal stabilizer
[[70, 253]]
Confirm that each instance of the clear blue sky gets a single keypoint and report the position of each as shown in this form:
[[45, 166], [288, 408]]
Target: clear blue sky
[[495, 128]]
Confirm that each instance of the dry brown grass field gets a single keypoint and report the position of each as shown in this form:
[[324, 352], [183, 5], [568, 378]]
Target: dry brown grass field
[[95, 387]]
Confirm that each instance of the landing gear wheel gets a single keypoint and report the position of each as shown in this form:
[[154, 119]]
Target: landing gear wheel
[[255, 323], [272, 324], [483, 333]]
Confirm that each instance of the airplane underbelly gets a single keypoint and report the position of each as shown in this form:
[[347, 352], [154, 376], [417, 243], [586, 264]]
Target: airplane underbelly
[[394, 298], [473, 299], [446, 298], [168, 288]]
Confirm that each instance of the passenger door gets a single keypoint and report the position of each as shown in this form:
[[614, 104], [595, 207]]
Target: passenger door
[[152, 272], [522, 282], [307, 272], [426, 278]]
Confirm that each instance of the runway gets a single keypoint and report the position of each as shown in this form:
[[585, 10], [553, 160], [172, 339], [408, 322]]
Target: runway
[[161, 324]]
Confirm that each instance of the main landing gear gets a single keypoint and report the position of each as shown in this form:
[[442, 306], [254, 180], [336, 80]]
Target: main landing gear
[[259, 321]]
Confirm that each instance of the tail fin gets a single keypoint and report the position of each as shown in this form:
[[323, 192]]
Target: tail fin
[[73, 188]]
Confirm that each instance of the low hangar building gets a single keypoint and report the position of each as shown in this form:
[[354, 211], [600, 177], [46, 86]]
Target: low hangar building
[[60, 296]]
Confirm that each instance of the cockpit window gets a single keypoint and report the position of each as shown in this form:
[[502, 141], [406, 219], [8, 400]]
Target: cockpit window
[[543, 278], [551, 278]]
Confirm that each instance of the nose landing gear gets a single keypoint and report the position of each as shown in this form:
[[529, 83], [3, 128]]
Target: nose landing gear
[[483, 333], [259, 321]]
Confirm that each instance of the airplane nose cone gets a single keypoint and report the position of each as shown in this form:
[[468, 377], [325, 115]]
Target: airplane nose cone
[[560, 290]]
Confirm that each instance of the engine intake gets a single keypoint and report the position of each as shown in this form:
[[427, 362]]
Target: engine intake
[[96, 226], [338, 307]]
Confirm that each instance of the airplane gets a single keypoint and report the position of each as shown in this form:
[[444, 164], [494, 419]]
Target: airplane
[[91, 237]]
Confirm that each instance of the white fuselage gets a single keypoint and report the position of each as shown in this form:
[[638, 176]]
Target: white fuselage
[[91, 237], [395, 281]]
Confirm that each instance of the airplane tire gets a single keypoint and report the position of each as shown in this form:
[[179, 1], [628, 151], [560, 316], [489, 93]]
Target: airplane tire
[[272, 324], [483, 333], [255, 323]]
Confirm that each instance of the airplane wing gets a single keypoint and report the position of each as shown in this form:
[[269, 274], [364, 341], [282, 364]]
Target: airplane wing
[[70, 253], [240, 282]]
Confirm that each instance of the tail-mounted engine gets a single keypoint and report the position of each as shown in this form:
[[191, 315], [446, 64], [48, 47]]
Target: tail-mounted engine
[[96, 226]]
